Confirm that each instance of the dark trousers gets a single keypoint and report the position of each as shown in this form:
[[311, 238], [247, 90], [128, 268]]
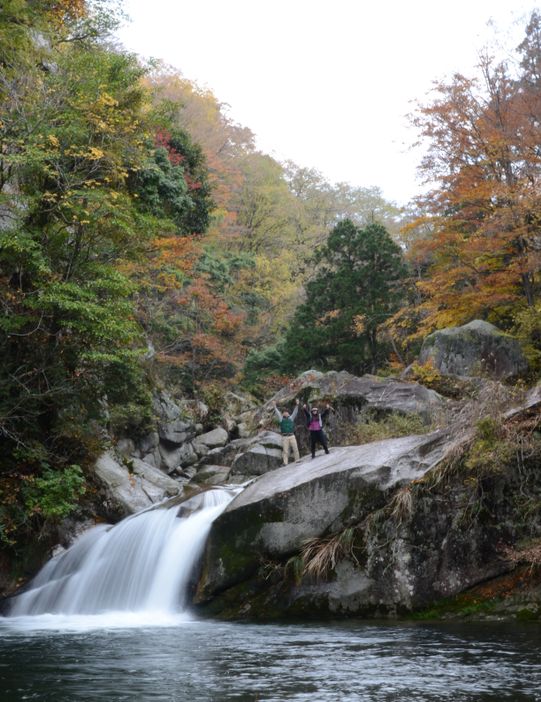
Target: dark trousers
[[318, 437]]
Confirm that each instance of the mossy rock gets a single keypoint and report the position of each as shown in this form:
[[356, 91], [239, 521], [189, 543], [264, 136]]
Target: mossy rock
[[475, 349]]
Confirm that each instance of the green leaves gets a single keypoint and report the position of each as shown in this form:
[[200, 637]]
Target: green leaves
[[54, 495], [356, 287]]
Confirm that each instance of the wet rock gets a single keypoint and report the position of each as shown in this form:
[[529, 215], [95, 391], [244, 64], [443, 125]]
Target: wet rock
[[477, 348]]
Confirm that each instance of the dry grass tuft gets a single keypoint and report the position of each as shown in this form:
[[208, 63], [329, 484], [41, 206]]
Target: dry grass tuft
[[320, 556], [401, 505]]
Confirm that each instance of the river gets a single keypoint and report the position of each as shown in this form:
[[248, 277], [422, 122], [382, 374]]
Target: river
[[178, 658]]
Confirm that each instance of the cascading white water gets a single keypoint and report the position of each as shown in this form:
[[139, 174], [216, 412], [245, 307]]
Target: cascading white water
[[143, 564]]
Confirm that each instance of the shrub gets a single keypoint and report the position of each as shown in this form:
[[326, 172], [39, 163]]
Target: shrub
[[391, 426]]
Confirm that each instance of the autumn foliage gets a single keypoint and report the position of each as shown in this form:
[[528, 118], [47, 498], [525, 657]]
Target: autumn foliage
[[479, 253]]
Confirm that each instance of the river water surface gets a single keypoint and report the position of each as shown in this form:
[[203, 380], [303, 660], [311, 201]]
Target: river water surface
[[126, 658]]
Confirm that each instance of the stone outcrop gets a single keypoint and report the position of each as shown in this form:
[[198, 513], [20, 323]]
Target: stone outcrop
[[132, 485], [379, 530], [477, 348], [341, 388], [277, 513]]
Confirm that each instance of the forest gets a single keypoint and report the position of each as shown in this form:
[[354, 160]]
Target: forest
[[145, 242]]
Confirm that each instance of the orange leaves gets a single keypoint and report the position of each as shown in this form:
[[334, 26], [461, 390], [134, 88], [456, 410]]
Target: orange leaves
[[209, 311], [327, 317], [183, 252], [478, 257], [63, 10], [359, 324]]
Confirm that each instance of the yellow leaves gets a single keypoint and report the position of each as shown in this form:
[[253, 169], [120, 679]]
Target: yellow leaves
[[106, 100], [328, 317], [359, 324], [53, 140], [94, 154]]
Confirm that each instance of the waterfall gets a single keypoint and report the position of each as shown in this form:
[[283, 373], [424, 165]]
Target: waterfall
[[143, 564]]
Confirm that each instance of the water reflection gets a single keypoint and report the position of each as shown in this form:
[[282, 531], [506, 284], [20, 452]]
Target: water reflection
[[206, 661]]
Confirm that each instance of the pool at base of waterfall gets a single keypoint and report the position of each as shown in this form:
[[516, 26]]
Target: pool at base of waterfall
[[175, 658]]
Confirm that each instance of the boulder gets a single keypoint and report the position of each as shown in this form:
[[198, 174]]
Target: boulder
[[126, 447], [172, 426], [149, 442], [531, 404], [243, 430], [350, 396], [385, 529], [236, 403], [225, 455], [211, 475], [215, 438], [477, 348], [341, 387], [275, 515], [176, 431], [135, 487], [170, 456], [187, 455], [264, 453], [200, 449], [165, 407], [353, 399]]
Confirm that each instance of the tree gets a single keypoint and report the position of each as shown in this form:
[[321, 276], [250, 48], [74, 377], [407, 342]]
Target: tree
[[356, 288], [481, 253]]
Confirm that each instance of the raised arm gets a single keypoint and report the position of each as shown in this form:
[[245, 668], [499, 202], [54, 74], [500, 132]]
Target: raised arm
[[277, 413], [326, 411]]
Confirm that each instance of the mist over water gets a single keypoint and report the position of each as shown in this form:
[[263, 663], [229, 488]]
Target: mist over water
[[137, 571]]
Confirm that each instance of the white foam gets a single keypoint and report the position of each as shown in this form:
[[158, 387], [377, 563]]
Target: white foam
[[136, 573]]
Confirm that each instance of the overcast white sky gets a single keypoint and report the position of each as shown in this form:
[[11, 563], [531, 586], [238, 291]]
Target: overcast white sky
[[326, 83]]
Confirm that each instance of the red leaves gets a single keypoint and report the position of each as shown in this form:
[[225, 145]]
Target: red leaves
[[162, 140]]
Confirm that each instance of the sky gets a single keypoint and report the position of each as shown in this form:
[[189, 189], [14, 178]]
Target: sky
[[327, 83]]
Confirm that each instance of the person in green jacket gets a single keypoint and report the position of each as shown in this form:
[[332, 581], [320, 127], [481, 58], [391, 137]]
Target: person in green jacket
[[287, 429]]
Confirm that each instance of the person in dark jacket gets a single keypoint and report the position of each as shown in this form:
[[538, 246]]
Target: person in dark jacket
[[287, 429], [314, 422]]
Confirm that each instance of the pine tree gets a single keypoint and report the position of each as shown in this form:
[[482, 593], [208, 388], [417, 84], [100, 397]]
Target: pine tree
[[357, 286]]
